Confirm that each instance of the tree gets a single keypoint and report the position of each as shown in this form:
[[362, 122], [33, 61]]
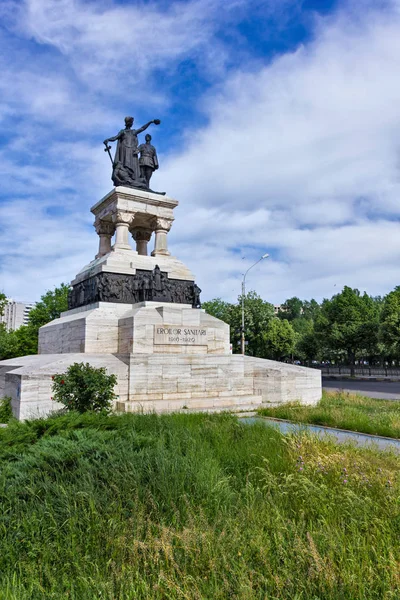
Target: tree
[[279, 339], [257, 314], [308, 346], [390, 323], [3, 302], [24, 340], [348, 324], [311, 309], [8, 343], [291, 309], [219, 309], [51, 305]]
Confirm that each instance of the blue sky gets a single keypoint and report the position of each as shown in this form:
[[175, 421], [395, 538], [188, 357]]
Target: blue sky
[[280, 133]]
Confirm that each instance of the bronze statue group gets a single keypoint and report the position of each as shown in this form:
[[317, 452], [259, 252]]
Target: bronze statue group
[[133, 164]]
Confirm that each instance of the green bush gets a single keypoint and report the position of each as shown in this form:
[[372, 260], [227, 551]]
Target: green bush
[[85, 388], [5, 409]]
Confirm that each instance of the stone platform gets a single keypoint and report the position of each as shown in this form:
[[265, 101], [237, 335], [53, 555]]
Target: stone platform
[[165, 382]]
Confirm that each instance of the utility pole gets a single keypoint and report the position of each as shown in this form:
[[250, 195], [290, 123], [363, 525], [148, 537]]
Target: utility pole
[[243, 340]]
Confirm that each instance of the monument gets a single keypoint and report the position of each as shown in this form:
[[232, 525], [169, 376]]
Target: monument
[[139, 315]]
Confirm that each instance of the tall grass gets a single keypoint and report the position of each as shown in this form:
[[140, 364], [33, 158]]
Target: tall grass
[[195, 507], [345, 411]]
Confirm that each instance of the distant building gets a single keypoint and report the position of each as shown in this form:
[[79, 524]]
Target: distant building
[[279, 307], [16, 314]]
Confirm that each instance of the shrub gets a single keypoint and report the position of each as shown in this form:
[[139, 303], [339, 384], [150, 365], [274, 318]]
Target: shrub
[[5, 410], [83, 388]]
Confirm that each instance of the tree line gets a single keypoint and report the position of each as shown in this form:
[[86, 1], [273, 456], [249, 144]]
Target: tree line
[[349, 327], [24, 340]]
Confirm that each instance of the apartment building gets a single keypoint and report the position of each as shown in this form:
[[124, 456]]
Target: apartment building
[[16, 314]]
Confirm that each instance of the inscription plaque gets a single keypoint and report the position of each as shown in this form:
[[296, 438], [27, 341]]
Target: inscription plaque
[[177, 334]]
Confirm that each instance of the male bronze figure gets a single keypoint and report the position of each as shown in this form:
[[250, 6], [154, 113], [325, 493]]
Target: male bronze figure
[[148, 160]]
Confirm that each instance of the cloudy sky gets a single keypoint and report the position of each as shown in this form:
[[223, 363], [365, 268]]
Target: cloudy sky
[[280, 133]]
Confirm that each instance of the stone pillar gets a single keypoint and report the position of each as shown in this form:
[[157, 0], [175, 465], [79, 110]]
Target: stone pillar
[[162, 227], [105, 231], [141, 237], [123, 221]]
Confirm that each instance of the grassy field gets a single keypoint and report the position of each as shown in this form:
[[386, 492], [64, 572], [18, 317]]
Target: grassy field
[[193, 507], [346, 411]]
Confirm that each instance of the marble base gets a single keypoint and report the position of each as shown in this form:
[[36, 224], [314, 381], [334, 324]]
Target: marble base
[[165, 382], [106, 327]]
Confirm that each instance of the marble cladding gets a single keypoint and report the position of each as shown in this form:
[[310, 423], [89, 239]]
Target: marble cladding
[[166, 382], [106, 327]]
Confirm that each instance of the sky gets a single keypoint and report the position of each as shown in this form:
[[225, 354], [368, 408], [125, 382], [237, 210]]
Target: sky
[[280, 133]]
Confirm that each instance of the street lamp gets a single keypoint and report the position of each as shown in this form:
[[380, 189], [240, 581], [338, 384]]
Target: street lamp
[[243, 295]]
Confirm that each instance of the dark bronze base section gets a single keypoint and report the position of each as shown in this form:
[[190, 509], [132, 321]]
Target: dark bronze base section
[[129, 289]]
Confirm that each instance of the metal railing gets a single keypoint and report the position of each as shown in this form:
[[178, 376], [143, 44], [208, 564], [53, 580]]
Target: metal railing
[[363, 371]]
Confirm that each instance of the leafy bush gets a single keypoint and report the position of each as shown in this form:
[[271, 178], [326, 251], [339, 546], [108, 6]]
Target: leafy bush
[[5, 409], [84, 388]]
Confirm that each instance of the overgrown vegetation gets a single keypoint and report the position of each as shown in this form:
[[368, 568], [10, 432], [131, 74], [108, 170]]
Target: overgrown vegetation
[[345, 411], [194, 507], [83, 387]]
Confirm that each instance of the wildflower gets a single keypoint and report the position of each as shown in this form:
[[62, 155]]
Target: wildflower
[[300, 468], [239, 554], [62, 381], [344, 480], [52, 377]]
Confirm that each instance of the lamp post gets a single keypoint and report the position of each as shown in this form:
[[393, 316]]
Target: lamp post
[[243, 295]]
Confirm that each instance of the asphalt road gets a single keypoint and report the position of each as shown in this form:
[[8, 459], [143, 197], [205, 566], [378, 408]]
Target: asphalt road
[[386, 390]]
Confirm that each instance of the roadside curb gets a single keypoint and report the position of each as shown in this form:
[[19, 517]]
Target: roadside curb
[[333, 429]]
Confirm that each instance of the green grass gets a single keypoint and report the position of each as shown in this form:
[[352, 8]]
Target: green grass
[[345, 411], [192, 506]]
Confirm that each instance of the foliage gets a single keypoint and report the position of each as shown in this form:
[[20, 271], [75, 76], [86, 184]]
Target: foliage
[[51, 305], [6, 413], [219, 309], [83, 388], [8, 343], [349, 324], [24, 340], [291, 309], [3, 302], [257, 314], [21, 342], [390, 323], [279, 339], [192, 506], [345, 411], [308, 347]]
